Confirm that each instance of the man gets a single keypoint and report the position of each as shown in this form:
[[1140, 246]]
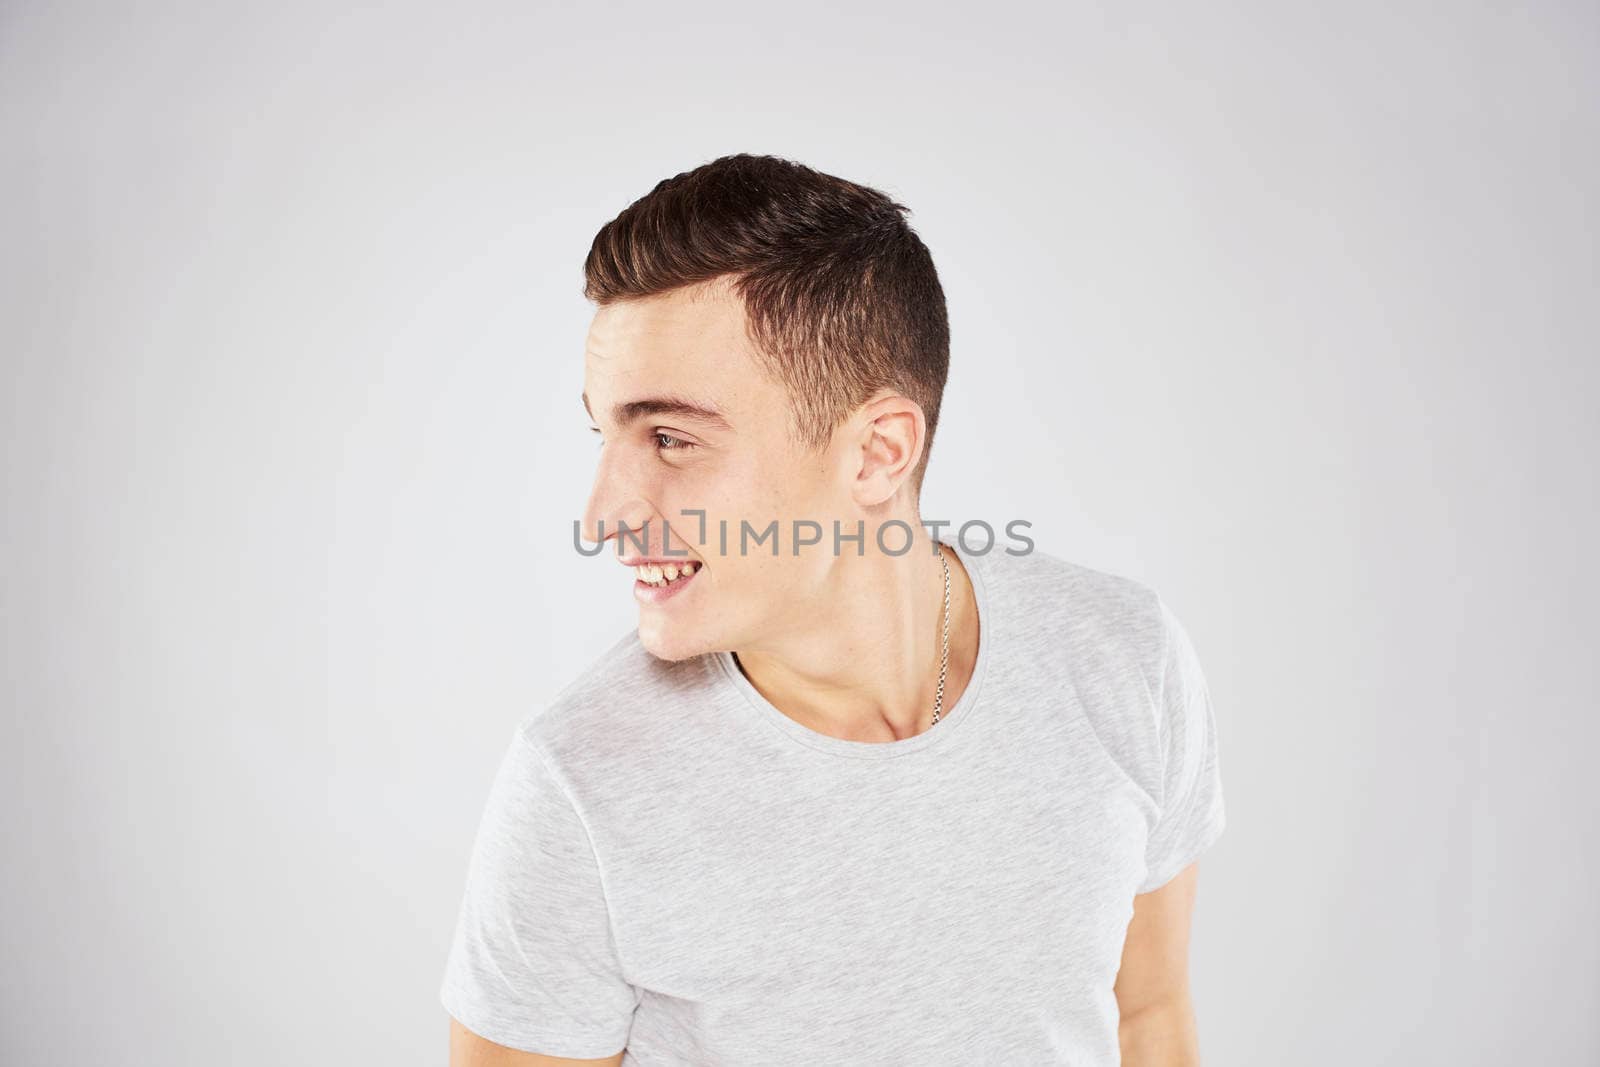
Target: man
[[868, 799]]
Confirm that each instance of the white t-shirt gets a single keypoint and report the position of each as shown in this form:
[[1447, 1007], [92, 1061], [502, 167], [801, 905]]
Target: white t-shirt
[[668, 863]]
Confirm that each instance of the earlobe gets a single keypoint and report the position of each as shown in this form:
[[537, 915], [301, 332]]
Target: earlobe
[[867, 488]]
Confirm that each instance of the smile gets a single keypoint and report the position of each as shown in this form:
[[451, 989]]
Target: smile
[[660, 575], [657, 583]]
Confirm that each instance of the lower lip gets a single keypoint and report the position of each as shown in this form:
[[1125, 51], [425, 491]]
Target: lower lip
[[646, 593]]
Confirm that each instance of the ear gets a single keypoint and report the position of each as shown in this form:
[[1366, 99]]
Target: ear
[[891, 431]]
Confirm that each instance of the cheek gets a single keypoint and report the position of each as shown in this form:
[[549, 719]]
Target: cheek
[[726, 503], [756, 487]]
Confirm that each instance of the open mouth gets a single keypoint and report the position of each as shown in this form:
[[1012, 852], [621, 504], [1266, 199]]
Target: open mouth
[[665, 574], [656, 582]]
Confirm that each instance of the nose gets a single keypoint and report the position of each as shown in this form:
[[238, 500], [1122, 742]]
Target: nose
[[617, 502]]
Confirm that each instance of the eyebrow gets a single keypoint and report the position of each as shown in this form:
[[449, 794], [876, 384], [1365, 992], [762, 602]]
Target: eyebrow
[[626, 412]]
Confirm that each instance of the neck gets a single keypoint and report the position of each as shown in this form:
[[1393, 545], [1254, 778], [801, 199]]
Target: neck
[[859, 658]]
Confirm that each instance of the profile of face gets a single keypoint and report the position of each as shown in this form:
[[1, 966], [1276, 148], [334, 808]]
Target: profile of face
[[690, 422]]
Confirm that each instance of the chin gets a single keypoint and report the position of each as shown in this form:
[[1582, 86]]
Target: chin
[[668, 642]]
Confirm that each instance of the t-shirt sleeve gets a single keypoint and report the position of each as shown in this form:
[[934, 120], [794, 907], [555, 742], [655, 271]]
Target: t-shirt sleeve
[[533, 965], [1191, 816]]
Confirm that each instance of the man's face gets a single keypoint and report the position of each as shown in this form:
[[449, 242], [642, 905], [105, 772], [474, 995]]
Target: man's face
[[735, 461]]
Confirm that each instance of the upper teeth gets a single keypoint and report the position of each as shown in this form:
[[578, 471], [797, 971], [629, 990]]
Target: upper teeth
[[656, 574]]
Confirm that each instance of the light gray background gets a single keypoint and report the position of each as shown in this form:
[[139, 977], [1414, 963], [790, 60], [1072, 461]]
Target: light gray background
[[1287, 311]]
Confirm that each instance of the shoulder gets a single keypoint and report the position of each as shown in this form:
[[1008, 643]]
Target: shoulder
[[610, 717], [1095, 615], [1105, 640]]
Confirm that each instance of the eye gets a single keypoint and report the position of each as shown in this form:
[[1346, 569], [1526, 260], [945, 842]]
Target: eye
[[676, 443]]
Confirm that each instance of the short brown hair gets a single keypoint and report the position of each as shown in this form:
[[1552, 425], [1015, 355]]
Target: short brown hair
[[840, 294]]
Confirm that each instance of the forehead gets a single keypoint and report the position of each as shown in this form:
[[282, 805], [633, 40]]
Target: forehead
[[691, 336]]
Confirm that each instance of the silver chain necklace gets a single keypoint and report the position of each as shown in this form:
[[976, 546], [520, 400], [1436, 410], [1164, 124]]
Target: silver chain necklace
[[944, 652]]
